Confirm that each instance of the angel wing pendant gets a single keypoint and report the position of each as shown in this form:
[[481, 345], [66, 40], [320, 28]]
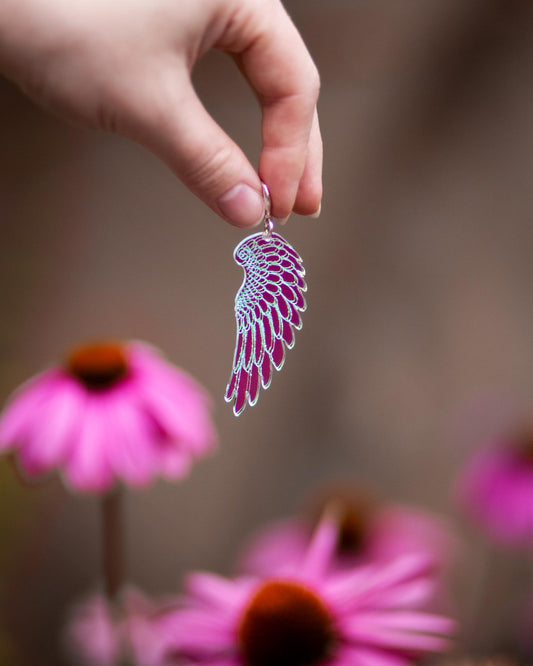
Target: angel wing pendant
[[267, 310]]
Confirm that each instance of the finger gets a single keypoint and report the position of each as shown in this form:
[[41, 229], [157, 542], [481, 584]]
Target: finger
[[309, 195], [280, 69], [171, 121]]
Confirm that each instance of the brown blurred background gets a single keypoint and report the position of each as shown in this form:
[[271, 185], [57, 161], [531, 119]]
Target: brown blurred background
[[419, 327]]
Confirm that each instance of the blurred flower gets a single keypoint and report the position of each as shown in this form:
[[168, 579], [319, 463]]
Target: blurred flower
[[100, 633], [496, 489], [309, 616], [92, 634], [369, 532], [112, 410]]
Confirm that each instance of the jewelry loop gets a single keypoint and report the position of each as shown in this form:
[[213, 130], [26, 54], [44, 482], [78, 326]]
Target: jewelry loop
[[267, 216]]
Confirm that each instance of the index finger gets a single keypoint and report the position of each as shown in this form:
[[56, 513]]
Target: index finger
[[276, 62]]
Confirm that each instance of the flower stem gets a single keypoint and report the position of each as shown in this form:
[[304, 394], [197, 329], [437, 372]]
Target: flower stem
[[113, 542]]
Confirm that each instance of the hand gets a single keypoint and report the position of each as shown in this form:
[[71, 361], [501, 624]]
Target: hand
[[125, 67]]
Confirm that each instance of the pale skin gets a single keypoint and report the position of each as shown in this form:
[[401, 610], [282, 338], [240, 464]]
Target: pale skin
[[125, 66]]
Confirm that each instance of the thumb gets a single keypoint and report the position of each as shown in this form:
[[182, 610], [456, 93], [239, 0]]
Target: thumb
[[183, 134]]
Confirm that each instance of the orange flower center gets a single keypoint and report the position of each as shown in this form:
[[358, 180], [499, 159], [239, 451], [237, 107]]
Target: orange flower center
[[357, 513], [353, 529], [98, 366], [286, 624]]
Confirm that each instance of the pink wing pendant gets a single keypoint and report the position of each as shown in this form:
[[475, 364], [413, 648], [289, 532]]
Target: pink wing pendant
[[267, 310]]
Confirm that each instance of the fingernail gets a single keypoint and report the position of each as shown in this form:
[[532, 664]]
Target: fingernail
[[317, 212], [283, 220], [242, 205]]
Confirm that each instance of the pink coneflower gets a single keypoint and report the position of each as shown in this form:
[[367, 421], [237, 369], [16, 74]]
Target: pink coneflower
[[308, 616], [111, 411], [369, 532], [104, 633], [496, 490], [92, 634]]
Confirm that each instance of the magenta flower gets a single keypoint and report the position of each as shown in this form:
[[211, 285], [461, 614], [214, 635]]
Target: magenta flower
[[111, 411], [92, 636], [308, 616], [101, 633], [496, 490], [368, 533]]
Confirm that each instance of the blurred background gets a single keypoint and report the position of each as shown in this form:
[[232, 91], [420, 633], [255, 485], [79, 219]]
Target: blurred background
[[417, 338]]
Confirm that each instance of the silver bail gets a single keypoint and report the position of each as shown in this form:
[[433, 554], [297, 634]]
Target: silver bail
[[267, 216]]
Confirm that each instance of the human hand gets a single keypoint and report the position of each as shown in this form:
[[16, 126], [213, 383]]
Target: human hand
[[125, 67]]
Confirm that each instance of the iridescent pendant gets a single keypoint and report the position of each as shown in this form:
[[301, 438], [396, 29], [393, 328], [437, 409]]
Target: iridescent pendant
[[267, 310]]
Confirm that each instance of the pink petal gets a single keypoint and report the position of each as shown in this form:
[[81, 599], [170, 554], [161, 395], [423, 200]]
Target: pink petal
[[183, 417], [404, 569], [409, 595], [55, 429], [492, 489], [19, 415], [197, 633], [92, 636], [132, 452], [345, 589], [87, 467], [398, 583], [173, 397], [363, 656], [406, 621], [371, 633], [322, 546], [217, 591], [173, 463], [400, 530], [142, 630], [282, 544]]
